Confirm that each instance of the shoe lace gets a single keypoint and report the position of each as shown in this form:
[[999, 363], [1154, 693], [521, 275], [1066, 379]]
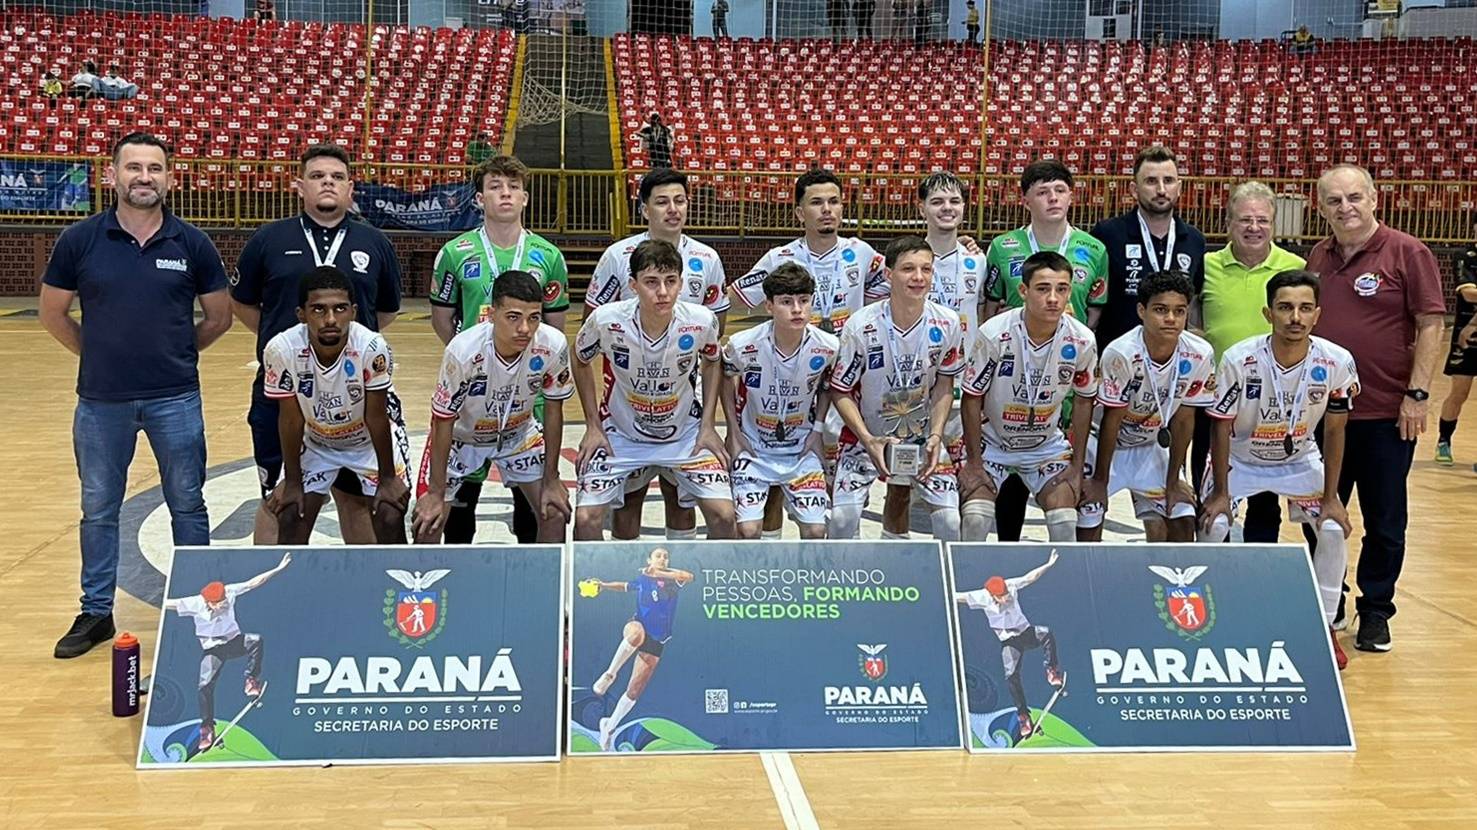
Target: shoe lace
[[83, 622]]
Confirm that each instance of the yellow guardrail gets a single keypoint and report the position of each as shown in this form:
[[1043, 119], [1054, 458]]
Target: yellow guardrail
[[239, 193]]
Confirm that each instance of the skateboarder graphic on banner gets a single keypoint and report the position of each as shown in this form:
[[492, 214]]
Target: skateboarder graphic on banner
[[1000, 601], [221, 640]]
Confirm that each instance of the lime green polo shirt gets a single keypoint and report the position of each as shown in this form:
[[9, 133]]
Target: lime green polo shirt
[[1234, 296]]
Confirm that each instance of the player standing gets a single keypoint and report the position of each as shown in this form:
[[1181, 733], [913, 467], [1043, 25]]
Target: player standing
[[1024, 365], [461, 296], [1461, 361], [654, 346], [645, 636], [894, 384], [776, 379], [347, 425], [664, 205], [1274, 391], [1152, 379], [482, 410]]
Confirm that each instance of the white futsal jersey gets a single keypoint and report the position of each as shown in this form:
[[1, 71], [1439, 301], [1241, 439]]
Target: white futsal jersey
[[1269, 404], [330, 397], [650, 385], [492, 399], [895, 370], [1024, 386], [847, 277], [776, 395], [703, 280], [1151, 392], [959, 284]]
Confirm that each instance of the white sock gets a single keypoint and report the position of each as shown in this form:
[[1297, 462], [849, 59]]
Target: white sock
[[1061, 524], [1220, 530], [622, 708], [623, 653], [887, 534], [679, 535], [976, 520], [945, 522], [1329, 565], [772, 534], [846, 521]]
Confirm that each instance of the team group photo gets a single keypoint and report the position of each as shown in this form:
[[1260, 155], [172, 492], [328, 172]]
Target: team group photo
[[1179, 415]]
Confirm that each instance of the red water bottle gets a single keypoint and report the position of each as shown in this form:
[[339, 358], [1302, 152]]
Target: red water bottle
[[125, 675]]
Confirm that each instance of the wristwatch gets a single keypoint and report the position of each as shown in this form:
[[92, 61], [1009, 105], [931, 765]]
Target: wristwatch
[[1417, 394]]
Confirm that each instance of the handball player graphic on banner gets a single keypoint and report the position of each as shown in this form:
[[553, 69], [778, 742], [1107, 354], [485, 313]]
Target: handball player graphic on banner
[[272, 656], [1078, 647], [711, 647]]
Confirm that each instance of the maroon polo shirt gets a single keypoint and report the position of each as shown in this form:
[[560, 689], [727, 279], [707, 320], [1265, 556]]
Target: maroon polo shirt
[[1370, 303]]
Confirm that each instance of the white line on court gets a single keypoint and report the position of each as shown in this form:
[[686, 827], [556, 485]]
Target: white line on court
[[788, 791]]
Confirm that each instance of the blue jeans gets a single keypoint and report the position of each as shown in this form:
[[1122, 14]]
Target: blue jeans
[[104, 435]]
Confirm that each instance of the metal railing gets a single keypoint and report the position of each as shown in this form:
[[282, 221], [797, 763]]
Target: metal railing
[[240, 193]]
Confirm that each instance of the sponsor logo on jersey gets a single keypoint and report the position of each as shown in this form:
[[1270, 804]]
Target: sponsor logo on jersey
[[1008, 242], [472, 270], [1133, 251], [695, 264], [172, 264], [848, 255], [1366, 285], [360, 259], [552, 290]]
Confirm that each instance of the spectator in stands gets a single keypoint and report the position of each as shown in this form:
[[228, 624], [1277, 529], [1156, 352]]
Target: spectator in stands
[[84, 83], [1302, 41], [264, 10], [1382, 301], [972, 23], [52, 86], [863, 10], [479, 149], [720, 18], [658, 140], [902, 11], [1229, 307], [139, 271], [836, 19], [115, 87]]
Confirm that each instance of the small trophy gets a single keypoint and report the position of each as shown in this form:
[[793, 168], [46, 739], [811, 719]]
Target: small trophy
[[904, 460]]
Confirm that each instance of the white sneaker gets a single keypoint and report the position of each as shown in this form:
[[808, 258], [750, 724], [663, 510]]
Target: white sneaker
[[601, 685], [605, 736]]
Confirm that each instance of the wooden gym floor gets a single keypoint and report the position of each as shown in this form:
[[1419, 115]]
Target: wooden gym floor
[[69, 764]]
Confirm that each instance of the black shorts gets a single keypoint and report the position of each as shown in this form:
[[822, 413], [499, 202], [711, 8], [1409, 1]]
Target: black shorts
[[652, 646], [1460, 361], [266, 447]]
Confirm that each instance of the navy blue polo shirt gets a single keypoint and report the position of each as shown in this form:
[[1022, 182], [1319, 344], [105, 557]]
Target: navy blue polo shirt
[[1128, 263], [277, 256], [138, 304]]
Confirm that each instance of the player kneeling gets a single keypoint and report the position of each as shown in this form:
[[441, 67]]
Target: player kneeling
[[347, 427], [654, 346], [1022, 366], [775, 379], [894, 381], [482, 411], [1274, 389], [1151, 380]]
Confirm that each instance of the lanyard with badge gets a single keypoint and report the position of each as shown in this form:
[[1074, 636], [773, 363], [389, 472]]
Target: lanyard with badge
[[827, 289], [1161, 409], [1148, 240], [780, 399], [1048, 371], [338, 241], [1300, 392], [493, 271]]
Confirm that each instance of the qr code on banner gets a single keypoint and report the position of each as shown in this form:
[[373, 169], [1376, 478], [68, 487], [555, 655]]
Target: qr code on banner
[[715, 701]]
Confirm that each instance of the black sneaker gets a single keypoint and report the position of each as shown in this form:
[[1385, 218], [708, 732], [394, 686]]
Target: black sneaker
[[1374, 633], [87, 631]]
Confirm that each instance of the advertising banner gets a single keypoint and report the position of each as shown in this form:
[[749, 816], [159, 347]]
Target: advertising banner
[[1081, 647], [717, 646], [446, 207], [32, 186], [338, 655]]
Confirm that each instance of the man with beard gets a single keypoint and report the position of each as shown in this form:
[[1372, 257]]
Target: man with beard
[[1146, 240], [264, 297], [137, 272]]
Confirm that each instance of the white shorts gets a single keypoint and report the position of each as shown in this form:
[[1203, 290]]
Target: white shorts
[[1035, 468], [1141, 471], [855, 473], [640, 480], [321, 465], [518, 463], [799, 476], [697, 475], [1300, 482]]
